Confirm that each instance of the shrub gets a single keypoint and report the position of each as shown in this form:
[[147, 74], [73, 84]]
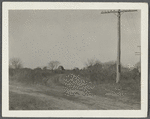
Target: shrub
[[27, 75], [106, 73]]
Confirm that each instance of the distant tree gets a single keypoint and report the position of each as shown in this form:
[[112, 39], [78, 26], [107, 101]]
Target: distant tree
[[61, 68], [109, 64], [53, 64], [91, 62], [15, 63], [45, 68], [76, 69], [38, 69], [138, 66]]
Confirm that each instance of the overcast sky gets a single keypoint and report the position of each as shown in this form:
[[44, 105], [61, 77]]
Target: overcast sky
[[71, 37]]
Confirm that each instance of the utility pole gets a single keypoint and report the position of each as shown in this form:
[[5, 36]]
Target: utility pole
[[119, 38], [139, 53]]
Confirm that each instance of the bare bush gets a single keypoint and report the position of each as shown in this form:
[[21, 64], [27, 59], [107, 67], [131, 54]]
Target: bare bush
[[91, 62], [53, 64], [38, 69], [45, 68], [15, 63], [61, 68], [76, 69]]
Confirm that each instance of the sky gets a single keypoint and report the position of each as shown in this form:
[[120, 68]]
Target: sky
[[72, 37]]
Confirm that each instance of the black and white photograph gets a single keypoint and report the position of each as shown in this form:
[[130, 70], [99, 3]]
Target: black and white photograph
[[75, 59]]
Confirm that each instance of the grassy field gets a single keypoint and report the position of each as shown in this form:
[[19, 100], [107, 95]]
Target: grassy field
[[72, 90]]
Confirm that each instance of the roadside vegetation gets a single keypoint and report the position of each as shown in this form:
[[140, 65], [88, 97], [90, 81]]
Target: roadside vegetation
[[95, 78]]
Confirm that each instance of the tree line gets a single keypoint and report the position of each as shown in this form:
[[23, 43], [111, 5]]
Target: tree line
[[16, 63]]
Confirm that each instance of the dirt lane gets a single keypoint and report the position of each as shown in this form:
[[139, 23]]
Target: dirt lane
[[45, 98]]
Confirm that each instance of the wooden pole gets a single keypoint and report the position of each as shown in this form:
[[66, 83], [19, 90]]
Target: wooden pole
[[118, 12], [119, 48]]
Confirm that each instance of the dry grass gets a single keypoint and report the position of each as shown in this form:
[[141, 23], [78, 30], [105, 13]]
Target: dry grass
[[39, 97], [80, 89], [27, 102]]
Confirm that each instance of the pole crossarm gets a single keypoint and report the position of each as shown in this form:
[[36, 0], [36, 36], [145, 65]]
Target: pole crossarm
[[116, 11], [137, 52]]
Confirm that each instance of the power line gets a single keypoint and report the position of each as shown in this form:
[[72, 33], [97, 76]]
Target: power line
[[116, 11]]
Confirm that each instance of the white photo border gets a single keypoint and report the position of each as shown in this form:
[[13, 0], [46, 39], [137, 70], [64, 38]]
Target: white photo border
[[6, 6]]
